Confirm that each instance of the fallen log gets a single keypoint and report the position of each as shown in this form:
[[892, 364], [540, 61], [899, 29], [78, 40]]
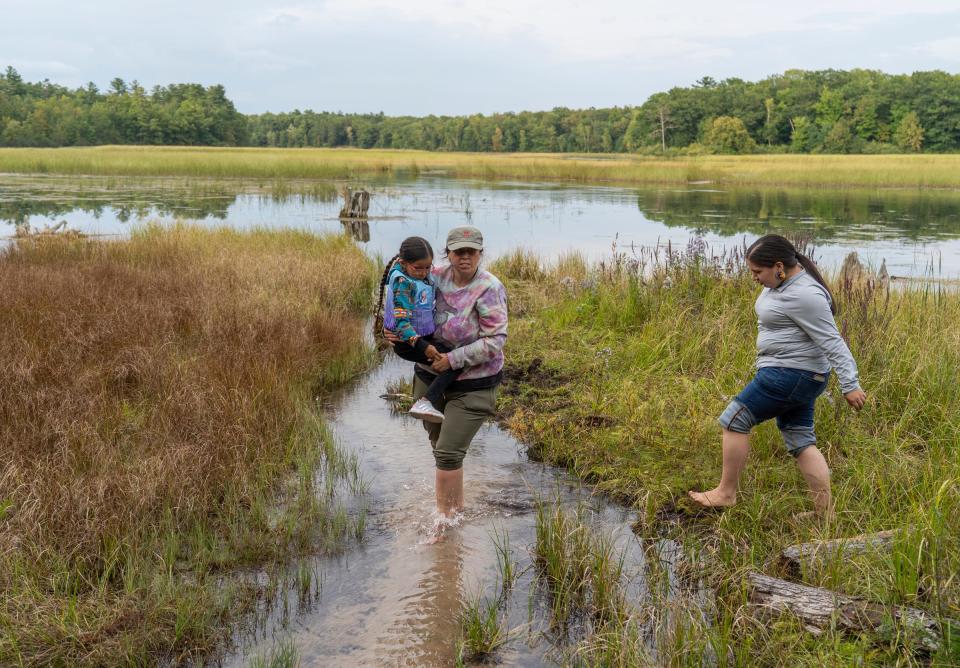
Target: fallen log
[[797, 559], [819, 609]]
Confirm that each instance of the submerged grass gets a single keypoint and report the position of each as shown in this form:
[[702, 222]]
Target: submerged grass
[[619, 370], [915, 171], [159, 426]]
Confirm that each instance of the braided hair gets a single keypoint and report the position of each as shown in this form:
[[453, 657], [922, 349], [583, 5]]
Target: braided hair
[[772, 248], [412, 249]]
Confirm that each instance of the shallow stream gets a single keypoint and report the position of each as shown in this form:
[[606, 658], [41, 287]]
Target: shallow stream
[[393, 599]]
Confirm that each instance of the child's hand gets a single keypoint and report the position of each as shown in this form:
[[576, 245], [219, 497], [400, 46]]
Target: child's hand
[[432, 353]]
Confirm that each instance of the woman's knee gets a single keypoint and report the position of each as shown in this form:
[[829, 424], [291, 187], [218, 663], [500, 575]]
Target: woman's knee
[[737, 418]]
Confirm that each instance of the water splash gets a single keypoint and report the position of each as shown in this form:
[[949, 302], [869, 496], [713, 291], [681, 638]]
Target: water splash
[[439, 527]]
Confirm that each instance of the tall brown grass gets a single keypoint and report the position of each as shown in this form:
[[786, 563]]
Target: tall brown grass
[[151, 389]]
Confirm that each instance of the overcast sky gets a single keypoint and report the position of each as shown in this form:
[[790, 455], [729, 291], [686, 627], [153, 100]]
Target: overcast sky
[[464, 56]]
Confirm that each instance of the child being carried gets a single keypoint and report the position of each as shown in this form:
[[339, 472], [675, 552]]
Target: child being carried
[[408, 314]]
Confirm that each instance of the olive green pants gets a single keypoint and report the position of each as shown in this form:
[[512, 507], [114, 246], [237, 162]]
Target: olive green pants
[[463, 413]]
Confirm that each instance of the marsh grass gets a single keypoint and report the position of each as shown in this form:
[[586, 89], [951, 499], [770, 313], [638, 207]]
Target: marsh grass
[[159, 428], [283, 655], [680, 327], [920, 171], [482, 630], [592, 621]]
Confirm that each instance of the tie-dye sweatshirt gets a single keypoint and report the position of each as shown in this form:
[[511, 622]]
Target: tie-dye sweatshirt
[[472, 320]]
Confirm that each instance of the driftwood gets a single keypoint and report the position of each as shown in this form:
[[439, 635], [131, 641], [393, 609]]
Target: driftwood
[[396, 396], [854, 273], [355, 204], [819, 609], [796, 559], [23, 230]]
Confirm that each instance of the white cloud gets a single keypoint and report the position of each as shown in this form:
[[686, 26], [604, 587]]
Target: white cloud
[[608, 29], [50, 67], [947, 49]]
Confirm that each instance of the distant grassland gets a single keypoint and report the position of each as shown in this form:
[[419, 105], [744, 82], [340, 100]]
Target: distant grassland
[[912, 171]]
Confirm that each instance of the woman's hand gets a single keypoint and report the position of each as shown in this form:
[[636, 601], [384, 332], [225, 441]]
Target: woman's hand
[[441, 364], [390, 336], [856, 398]]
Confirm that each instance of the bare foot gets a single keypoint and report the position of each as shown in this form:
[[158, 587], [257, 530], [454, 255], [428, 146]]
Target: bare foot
[[713, 499]]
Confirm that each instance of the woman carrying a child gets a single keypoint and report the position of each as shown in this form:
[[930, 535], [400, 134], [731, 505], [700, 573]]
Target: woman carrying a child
[[464, 351]]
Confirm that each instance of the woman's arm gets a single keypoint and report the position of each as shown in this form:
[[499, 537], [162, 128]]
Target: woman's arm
[[492, 335], [811, 312]]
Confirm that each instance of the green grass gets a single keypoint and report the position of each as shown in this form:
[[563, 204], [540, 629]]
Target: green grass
[[283, 655], [911, 171], [482, 629], [618, 371], [161, 430]]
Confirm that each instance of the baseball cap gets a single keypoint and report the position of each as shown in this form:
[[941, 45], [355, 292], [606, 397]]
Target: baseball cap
[[465, 236]]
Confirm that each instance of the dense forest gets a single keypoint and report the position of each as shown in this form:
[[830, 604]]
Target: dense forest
[[829, 111]]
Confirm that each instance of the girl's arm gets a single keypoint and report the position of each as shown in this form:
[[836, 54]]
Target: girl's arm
[[403, 305], [811, 312], [492, 319]]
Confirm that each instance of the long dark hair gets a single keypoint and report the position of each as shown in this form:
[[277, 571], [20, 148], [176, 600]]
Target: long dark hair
[[772, 248], [412, 249]]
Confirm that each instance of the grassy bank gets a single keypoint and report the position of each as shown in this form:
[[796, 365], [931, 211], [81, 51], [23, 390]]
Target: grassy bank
[[908, 171], [619, 370], [159, 427]]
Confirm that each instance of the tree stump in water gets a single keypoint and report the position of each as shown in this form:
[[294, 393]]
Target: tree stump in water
[[819, 609], [355, 204]]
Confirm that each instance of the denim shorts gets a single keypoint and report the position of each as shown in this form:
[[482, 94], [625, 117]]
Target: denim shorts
[[786, 394]]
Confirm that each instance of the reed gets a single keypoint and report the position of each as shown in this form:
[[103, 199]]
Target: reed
[[160, 426], [277, 165]]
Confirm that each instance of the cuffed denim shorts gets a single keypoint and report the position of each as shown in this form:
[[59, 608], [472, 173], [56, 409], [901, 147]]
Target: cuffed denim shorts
[[786, 394]]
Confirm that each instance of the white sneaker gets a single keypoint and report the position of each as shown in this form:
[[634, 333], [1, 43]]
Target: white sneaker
[[424, 410]]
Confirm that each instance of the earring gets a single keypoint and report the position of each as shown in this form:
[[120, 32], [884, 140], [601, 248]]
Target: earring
[[781, 275]]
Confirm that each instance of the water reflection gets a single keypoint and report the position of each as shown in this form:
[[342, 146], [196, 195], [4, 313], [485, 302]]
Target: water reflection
[[357, 229], [427, 628], [911, 229], [825, 215]]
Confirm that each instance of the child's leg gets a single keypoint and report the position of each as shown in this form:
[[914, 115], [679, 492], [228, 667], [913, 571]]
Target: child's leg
[[407, 352], [442, 381], [439, 385]]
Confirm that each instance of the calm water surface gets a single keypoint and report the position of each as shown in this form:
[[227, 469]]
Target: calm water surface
[[911, 230]]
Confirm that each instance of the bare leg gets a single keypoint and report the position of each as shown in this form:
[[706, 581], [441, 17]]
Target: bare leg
[[736, 447], [817, 474], [449, 492]]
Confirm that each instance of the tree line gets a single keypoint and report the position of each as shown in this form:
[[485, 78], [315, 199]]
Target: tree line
[[46, 114], [826, 111]]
